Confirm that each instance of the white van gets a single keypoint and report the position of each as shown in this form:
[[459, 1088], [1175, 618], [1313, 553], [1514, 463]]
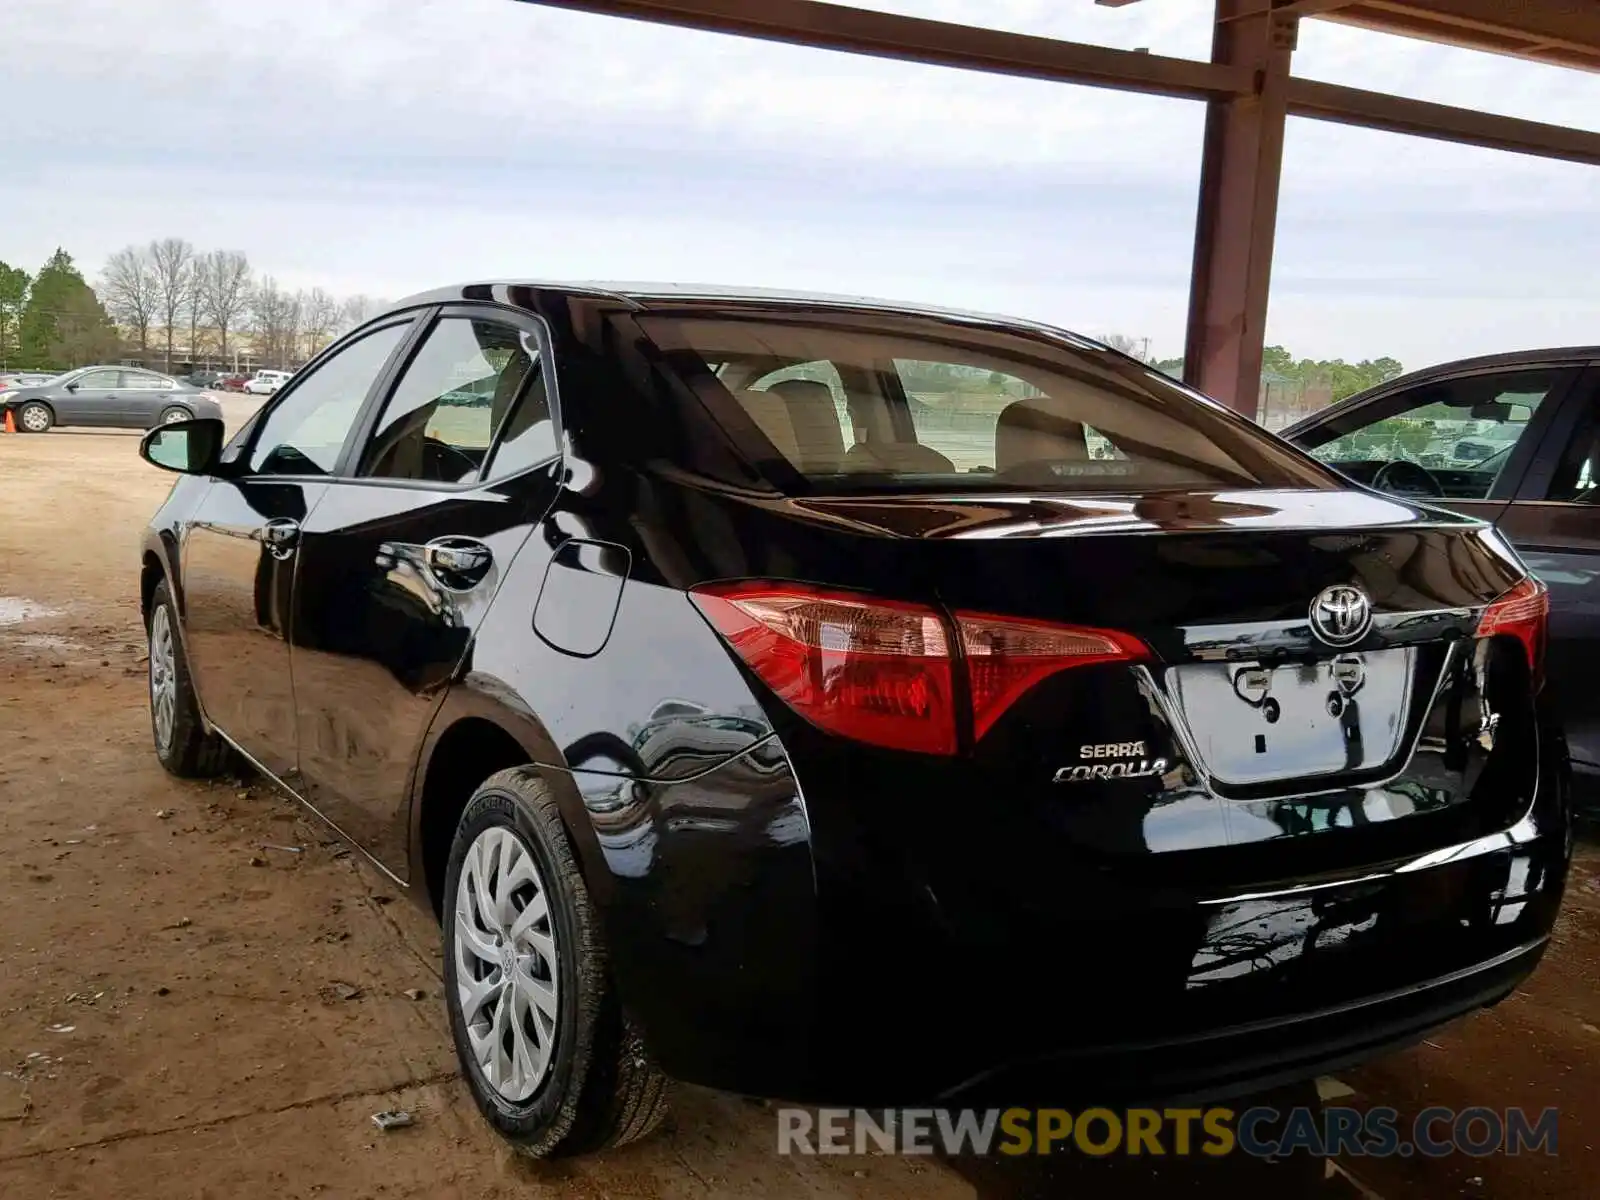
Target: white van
[[266, 382]]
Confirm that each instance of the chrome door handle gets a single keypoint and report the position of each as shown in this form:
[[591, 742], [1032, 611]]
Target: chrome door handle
[[458, 563], [281, 535]]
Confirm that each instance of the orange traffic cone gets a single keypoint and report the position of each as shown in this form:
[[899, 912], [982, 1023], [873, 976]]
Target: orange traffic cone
[[11, 422]]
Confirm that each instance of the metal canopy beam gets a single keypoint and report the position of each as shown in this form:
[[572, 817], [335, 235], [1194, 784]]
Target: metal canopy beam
[[1249, 92], [1397, 114], [1562, 33], [941, 43], [1238, 209]]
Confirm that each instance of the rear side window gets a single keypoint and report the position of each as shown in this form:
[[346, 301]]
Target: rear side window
[[852, 403], [471, 379]]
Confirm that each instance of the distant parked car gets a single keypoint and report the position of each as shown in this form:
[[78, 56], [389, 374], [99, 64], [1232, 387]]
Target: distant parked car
[[114, 397], [202, 379], [22, 379], [230, 381], [266, 382]]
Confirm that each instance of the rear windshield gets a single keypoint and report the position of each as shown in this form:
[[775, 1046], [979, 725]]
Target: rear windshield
[[840, 402]]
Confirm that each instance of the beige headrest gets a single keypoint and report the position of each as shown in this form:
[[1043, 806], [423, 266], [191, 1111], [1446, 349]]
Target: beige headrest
[[771, 414], [1028, 432], [815, 420]]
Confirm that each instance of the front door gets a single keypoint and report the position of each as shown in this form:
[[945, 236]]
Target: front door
[[399, 564], [90, 399], [240, 547], [1555, 525]]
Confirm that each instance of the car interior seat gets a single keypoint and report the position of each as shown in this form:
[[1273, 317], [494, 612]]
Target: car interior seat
[[815, 421], [1027, 432]]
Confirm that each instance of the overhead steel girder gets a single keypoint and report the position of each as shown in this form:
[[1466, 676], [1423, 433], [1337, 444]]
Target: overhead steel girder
[[941, 43], [888, 35]]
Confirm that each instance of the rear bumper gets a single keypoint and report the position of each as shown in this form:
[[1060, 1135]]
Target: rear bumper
[[839, 963], [1256, 1056]]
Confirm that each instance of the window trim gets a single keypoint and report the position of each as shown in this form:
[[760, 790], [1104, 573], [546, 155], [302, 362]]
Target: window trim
[[1513, 477], [367, 422], [264, 414]]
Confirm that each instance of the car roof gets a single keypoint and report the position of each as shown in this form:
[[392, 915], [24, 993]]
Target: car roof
[[645, 295], [1543, 356]]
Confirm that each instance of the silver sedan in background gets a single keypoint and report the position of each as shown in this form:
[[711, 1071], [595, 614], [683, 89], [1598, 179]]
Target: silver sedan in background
[[110, 397]]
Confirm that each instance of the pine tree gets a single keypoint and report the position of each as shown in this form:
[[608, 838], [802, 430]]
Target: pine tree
[[63, 323]]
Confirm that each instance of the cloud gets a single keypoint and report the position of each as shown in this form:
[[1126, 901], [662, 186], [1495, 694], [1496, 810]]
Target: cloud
[[383, 146]]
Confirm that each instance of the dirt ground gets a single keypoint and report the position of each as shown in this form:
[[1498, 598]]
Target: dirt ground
[[203, 994]]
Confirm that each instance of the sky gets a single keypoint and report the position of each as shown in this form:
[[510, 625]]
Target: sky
[[388, 146]]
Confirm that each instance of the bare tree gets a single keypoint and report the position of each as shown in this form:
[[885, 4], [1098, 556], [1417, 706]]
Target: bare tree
[[275, 321], [357, 309], [132, 292], [224, 277], [318, 315], [173, 260], [1131, 346], [191, 305]]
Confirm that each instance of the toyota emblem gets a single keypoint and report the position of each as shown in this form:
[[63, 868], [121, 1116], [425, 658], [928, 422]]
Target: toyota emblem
[[1341, 615]]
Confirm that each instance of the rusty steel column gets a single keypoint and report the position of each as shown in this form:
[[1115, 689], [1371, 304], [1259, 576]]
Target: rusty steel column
[[1238, 207]]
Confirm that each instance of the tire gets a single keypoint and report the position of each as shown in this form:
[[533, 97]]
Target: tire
[[35, 417], [170, 415], [186, 749], [597, 1086]]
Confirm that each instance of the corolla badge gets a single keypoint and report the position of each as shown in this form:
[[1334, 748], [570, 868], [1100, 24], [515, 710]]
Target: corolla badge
[[1139, 768], [1341, 615]]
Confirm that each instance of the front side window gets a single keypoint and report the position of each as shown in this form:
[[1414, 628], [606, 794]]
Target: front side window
[[1449, 439], [864, 403], [98, 380], [460, 388], [305, 432]]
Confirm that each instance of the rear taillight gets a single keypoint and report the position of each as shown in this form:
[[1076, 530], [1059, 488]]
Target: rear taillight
[[883, 671], [1522, 613], [1005, 657], [871, 670]]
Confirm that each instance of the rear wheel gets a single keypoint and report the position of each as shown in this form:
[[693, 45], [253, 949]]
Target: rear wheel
[[183, 744], [171, 416], [550, 1058], [35, 417]]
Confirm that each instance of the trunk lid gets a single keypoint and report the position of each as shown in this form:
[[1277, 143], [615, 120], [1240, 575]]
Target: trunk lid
[[1248, 728]]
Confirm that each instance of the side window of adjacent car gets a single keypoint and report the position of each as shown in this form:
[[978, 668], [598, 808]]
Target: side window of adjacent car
[[1461, 432], [472, 380], [1576, 479], [305, 432]]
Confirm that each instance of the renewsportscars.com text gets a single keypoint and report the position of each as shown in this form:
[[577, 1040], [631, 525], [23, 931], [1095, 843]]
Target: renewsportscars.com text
[[1152, 1132]]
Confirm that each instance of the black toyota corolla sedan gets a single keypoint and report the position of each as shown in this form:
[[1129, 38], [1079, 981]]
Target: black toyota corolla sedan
[[858, 703]]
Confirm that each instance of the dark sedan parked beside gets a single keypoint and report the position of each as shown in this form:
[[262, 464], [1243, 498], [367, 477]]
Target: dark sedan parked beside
[[1513, 439], [777, 693], [111, 397]]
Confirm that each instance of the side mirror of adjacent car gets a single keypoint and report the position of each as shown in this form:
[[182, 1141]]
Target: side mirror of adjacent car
[[192, 447], [72, 387]]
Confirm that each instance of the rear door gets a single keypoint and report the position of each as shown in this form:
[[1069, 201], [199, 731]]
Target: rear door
[[1554, 522], [400, 560], [1462, 441], [142, 398], [239, 549]]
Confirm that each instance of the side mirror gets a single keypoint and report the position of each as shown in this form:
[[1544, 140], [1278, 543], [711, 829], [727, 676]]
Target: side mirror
[[72, 387], [192, 447]]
